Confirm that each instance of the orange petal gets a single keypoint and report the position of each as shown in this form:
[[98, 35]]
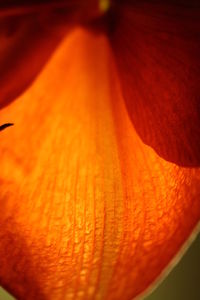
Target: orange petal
[[87, 210], [157, 51]]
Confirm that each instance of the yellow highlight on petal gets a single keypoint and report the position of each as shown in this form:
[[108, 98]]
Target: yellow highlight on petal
[[104, 5]]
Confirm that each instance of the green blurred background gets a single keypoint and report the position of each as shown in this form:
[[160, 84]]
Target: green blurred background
[[183, 283]]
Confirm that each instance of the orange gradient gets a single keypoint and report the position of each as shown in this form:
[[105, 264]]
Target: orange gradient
[[88, 211]]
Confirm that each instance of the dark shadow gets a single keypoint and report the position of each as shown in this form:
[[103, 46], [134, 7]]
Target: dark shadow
[[26, 44], [157, 46]]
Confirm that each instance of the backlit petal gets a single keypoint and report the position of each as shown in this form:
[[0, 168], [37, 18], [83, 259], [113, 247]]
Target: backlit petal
[[59, 179], [88, 211]]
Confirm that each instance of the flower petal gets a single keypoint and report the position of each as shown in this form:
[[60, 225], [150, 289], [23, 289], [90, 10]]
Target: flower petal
[[87, 210], [58, 183], [157, 51]]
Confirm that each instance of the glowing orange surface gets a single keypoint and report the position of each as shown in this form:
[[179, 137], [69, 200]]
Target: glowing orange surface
[[87, 210]]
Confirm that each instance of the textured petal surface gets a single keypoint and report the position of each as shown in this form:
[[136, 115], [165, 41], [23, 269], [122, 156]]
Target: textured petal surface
[[88, 211], [157, 51]]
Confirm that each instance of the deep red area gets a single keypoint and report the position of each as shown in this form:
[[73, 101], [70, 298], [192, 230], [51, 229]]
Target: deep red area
[[157, 48]]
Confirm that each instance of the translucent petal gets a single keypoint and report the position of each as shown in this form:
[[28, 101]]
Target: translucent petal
[[88, 211]]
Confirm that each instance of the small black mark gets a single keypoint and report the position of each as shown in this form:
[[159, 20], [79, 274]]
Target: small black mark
[[4, 126]]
